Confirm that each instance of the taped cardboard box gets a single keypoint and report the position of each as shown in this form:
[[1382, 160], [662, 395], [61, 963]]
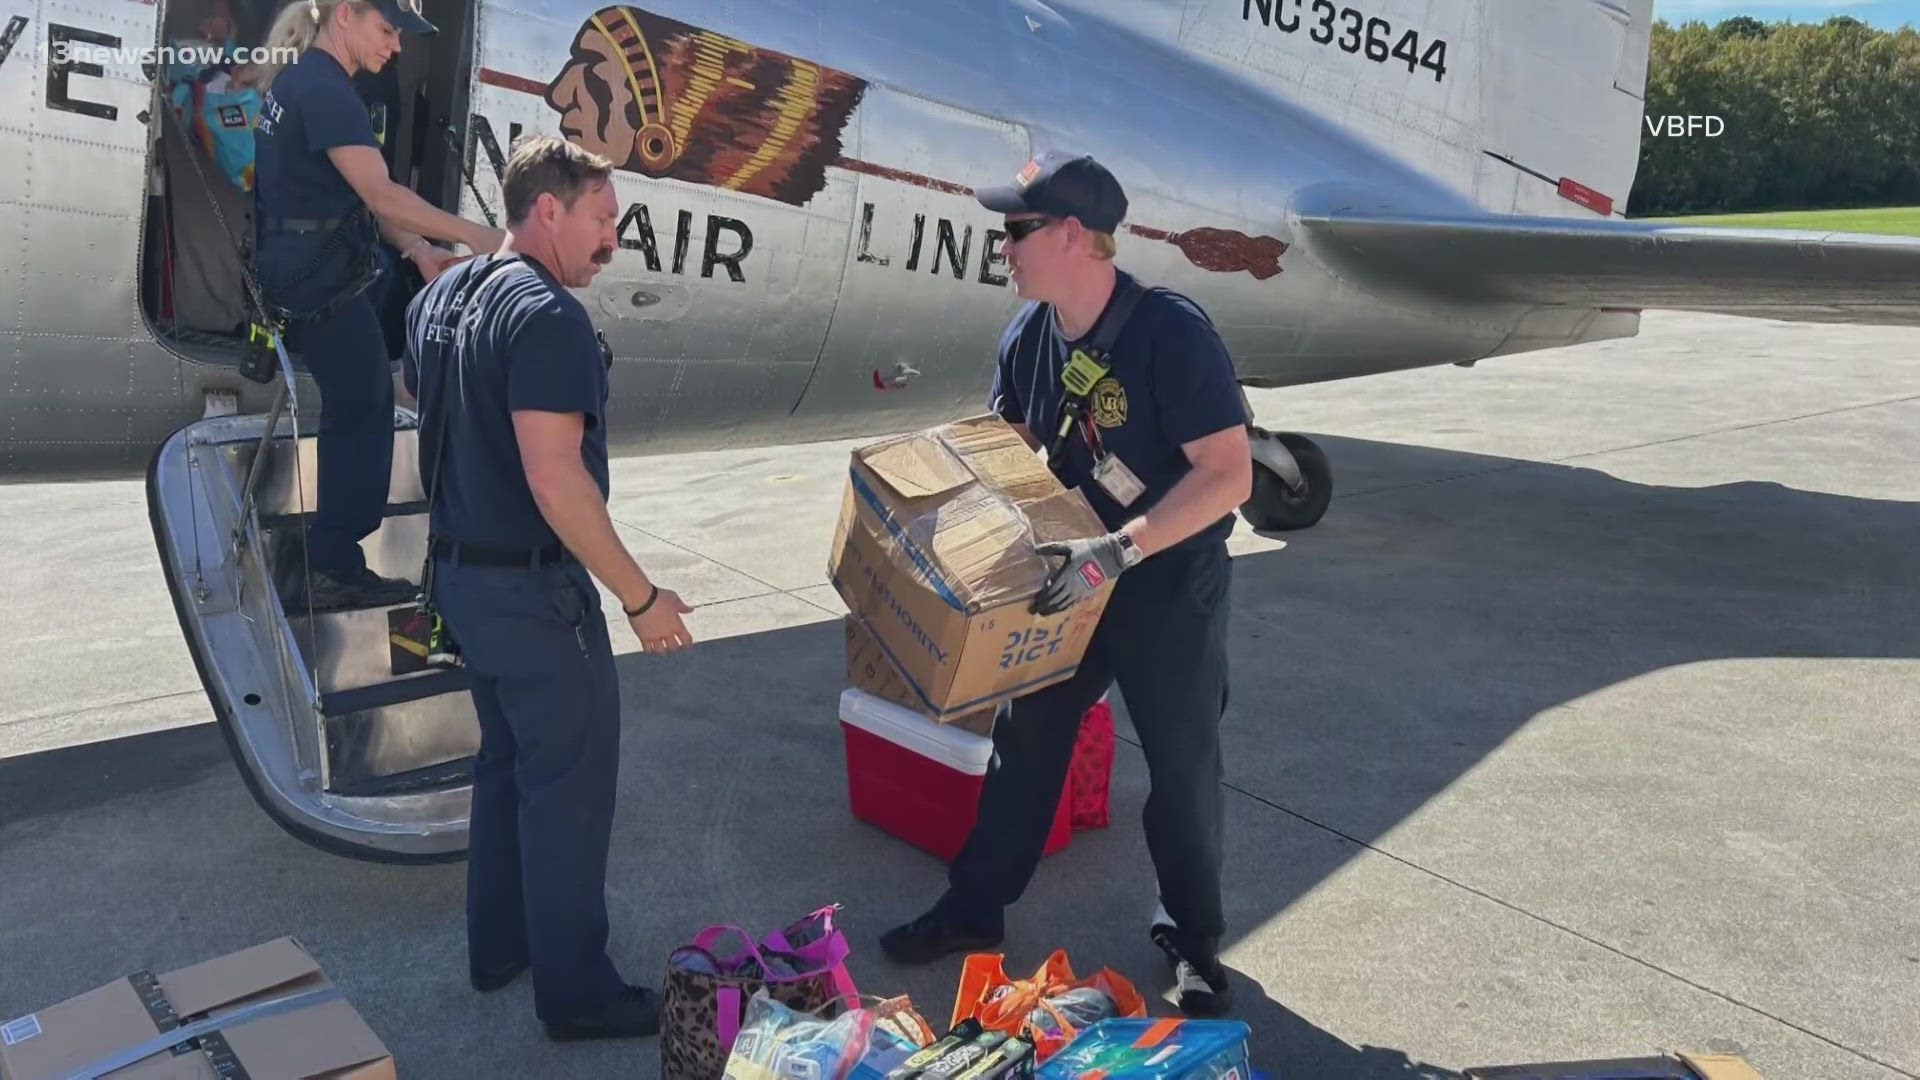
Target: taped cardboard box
[[869, 669], [1680, 1066], [268, 1010], [934, 555]]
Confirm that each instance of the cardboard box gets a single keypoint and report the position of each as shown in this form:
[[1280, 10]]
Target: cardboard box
[[869, 669], [269, 1008], [1683, 1066], [934, 555]]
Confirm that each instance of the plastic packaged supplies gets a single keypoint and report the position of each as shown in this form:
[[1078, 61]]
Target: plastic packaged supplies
[[864, 1042], [971, 1052], [778, 1043], [1047, 1008], [218, 117], [1058, 1017], [1155, 1050]]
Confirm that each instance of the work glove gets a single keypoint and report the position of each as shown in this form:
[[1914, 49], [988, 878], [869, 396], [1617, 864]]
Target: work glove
[[1090, 564]]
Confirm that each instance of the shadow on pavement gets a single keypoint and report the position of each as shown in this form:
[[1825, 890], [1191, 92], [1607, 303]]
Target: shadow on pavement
[[1377, 659]]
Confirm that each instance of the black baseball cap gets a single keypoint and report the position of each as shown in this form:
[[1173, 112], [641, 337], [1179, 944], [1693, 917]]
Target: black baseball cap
[[1063, 185], [405, 16]]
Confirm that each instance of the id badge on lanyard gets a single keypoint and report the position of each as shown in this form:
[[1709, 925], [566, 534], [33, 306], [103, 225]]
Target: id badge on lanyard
[[1109, 471]]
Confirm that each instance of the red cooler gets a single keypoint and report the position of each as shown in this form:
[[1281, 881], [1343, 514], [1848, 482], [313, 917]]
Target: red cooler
[[920, 780]]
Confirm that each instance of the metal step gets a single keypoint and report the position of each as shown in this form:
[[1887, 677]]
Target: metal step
[[287, 490], [351, 650], [381, 695], [380, 732], [343, 746], [395, 550], [431, 778], [277, 522]]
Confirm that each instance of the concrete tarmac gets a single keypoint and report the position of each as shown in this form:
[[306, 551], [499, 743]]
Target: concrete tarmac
[[1583, 726]]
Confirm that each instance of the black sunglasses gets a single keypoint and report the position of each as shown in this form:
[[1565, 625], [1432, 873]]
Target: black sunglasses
[[1025, 227]]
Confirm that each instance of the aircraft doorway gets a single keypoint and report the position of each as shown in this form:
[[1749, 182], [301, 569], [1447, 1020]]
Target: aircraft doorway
[[200, 176]]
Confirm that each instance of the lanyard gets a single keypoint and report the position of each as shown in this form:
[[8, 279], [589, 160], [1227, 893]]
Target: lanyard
[[1086, 367], [1077, 381], [1091, 432]]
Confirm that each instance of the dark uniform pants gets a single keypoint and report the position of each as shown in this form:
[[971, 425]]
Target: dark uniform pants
[[347, 356], [544, 686], [1163, 639]]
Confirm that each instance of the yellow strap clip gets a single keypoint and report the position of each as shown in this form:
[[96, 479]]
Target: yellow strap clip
[[1082, 374]]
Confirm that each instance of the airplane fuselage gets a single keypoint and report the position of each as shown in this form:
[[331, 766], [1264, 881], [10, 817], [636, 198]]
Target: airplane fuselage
[[801, 257]]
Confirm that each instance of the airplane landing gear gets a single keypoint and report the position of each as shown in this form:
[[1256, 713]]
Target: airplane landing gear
[[1292, 482]]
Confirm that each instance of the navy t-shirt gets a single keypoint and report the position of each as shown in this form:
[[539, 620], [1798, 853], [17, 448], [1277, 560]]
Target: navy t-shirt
[[1171, 382], [311, 108], [528, 344]]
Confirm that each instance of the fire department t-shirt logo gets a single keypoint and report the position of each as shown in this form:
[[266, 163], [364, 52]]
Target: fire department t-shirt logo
[[1109, 403]]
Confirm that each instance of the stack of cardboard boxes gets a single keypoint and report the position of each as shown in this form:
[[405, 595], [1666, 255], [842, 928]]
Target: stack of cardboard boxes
[[934, 557]]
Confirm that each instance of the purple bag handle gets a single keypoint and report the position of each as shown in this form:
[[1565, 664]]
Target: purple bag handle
[[829, 953], [705, 939], [728, 1000]]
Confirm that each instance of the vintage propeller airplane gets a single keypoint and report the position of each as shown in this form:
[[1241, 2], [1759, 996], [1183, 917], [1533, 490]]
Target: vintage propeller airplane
[[1346, 186]]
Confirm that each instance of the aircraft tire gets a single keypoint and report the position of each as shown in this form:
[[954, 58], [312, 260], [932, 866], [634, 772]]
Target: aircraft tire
[[1275, 508]]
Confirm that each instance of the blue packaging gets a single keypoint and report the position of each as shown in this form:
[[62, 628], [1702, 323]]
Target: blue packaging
[[219, 118], [885, 1053], [1145, 1049]]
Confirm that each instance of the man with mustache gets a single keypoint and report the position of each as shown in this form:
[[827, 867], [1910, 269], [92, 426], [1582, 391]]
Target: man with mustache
[[512, 383]]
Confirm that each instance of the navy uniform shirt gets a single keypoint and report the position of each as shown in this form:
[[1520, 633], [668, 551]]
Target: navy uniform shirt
[[528, 345], [1171, 382], [311, 108]]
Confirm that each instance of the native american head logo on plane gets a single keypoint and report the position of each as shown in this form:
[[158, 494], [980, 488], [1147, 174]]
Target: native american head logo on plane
[[665, 99]]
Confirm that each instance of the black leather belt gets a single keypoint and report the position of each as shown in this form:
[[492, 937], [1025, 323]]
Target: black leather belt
[[484, 555]]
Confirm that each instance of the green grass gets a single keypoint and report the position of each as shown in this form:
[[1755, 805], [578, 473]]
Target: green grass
[[1892, 221]]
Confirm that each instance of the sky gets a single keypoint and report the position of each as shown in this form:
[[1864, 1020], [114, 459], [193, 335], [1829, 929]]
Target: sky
[[1883, 14]]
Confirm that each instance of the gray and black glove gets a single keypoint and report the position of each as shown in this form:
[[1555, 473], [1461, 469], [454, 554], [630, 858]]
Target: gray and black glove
[[1090, 564]]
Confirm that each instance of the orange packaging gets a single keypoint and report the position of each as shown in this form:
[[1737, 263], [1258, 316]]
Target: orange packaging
[[983, 973]]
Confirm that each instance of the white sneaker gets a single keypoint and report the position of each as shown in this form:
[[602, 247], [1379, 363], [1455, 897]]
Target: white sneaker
[[1203, 992]]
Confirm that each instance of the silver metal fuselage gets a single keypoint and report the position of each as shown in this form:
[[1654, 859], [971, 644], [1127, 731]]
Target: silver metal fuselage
[[1219, 122]]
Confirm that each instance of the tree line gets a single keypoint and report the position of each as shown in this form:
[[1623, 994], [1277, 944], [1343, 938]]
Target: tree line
[[1820, 115]]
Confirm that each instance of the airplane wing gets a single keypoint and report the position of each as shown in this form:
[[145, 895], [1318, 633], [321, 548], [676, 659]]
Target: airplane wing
[[1761, 273]]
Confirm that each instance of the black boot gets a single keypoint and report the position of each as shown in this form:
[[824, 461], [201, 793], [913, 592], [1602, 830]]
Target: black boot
[[941, 931], [633, 1015], [488, 981], [344, 590]]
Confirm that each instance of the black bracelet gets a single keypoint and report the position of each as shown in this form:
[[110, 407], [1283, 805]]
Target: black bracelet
[[655, 595]]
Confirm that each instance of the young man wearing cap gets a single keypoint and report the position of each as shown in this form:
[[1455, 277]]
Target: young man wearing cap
[[1158, 444]]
